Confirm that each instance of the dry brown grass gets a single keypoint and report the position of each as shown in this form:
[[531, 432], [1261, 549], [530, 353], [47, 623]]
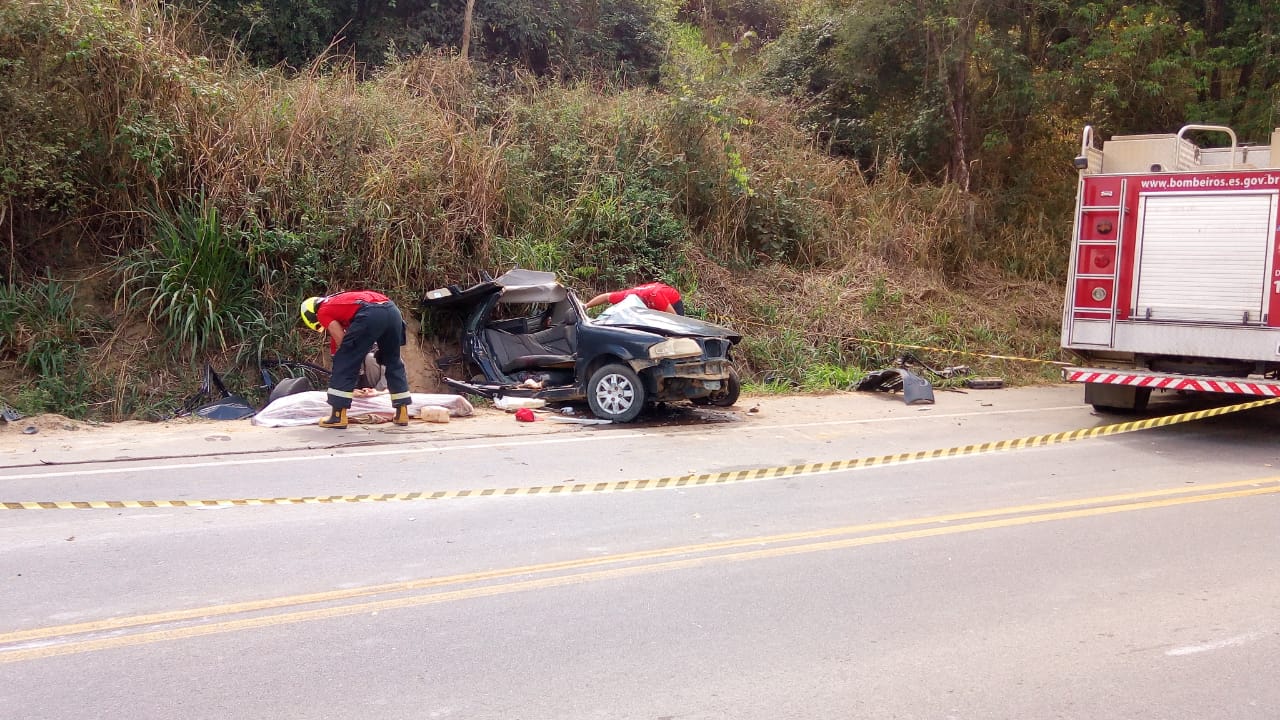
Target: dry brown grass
[[395, 168], [868, 312], [424, 173]]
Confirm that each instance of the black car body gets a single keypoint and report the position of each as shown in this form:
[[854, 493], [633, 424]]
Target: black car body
[[527, 335]]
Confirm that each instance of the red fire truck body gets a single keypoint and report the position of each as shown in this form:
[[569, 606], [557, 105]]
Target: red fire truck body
[[1174, 279]]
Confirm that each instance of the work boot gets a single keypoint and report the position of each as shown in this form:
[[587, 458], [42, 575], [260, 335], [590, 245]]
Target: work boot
[[402, 415], [336, 420]]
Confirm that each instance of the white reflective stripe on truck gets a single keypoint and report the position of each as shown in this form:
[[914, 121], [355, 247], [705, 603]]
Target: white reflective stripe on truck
[[1160, 381]]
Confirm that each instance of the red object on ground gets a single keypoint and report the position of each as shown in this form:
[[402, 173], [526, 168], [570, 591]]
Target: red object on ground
[[525, 415]]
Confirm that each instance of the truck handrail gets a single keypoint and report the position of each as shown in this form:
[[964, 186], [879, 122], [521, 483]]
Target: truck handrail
[[1215, 128], [1086, 144]]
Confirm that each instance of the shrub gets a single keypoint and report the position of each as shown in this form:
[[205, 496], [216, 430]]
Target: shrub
[[41, 330], [192, 281], [624, 230]]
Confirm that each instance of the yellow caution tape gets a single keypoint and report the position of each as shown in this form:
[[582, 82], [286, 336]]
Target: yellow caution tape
[[960, 352], [951, 351], [677, 481]]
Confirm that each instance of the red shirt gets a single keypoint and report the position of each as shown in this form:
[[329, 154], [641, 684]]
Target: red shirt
[[655, 295], [342, 307]]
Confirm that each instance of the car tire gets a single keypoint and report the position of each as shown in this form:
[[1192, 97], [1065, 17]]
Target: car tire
[[615, 393], [727, 395]]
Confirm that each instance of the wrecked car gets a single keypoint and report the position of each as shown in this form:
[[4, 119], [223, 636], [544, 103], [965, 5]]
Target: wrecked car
[[526, 335]]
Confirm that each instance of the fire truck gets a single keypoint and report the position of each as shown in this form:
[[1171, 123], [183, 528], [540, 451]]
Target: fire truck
[[1174, 277]]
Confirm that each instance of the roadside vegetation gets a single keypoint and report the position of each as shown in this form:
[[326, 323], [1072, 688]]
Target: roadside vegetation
[[834, 179]]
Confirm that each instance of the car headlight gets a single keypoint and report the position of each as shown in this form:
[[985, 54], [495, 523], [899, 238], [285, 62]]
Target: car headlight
[[674, 348]]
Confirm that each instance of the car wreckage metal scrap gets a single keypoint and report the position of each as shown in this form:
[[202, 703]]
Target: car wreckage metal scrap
[[620, 362]]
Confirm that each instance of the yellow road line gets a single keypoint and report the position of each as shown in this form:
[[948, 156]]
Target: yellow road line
[[1269, 486], [641, 555], [691, 480]]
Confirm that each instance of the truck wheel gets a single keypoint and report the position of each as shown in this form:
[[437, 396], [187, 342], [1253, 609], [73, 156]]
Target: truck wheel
[[615, 393], [1118, 399], [727, 395]]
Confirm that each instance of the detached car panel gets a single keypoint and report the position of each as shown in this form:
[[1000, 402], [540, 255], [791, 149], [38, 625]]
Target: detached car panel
[[527, 335]]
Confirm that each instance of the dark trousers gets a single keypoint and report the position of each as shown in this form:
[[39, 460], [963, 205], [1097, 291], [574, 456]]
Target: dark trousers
[[373, 323]]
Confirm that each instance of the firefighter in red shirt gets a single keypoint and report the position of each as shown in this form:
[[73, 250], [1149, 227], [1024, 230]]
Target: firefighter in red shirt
[[656, 295], [355, 320]]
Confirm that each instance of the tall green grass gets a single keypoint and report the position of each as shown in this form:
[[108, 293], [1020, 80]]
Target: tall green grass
[[45, 333], [192, 281]]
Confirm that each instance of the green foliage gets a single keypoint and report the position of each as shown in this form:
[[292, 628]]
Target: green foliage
[[92, 93], [40, 140], [192, 280], [1242, 87], [784, 356], [287, 265], [273, 31], [824, 376], [43, 332], [593, 193], [771, 387], [946, 86], [273, 333], [424, 168], [624, 229], [137, 397], [728, 20], [763, 217], [39, 325], [1135, 65], [858, 73], [148, 141], [880, 297], [625, 38], [551, 255]]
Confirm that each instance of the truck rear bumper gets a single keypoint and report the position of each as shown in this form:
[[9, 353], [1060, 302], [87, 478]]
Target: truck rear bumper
[[1258, 386]]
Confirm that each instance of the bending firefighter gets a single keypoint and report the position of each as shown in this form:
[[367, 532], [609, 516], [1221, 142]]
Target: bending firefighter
[[656, 296], [356, 320]]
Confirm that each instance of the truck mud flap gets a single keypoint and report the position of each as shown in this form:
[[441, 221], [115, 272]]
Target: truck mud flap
[[915, 389]]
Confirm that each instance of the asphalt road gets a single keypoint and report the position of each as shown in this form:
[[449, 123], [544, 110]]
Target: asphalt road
[[1131, 575]]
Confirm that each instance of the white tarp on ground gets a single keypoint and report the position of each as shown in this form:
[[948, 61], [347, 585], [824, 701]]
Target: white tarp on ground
[[309, 408]]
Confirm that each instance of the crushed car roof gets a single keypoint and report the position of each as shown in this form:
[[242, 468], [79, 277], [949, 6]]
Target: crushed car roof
[[517, 286], [530, 286]]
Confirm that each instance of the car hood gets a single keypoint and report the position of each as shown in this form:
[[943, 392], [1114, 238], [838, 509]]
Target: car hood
[[632, 313]]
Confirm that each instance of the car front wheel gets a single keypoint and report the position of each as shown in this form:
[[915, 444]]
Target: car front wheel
[[727, 395], [615, 393]]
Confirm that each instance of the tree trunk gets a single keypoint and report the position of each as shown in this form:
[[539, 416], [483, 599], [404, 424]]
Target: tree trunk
[[1215, 13], [466, 28], [950, 29], [958, 114]]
